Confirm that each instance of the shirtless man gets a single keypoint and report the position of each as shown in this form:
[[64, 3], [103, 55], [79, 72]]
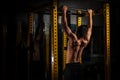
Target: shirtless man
[[76, 43]]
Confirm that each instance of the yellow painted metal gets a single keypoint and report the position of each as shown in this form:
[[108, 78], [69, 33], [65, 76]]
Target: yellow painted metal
[[64, 47], [30, 30], [54, 36], [31, 18], [107, 41], [52, 64], [79, 23], [79, 19]]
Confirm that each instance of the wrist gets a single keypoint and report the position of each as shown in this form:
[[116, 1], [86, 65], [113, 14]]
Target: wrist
[[64, 12], [90, 14]]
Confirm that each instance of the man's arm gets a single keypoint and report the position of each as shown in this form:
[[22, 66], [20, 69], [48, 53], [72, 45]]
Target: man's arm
[[64, 22], [87, 36]]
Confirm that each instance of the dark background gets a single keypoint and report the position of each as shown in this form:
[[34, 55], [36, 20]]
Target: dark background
[[115, 39], [9, 10]]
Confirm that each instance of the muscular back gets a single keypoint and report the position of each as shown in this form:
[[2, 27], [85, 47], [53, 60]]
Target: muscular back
[[74, 49]]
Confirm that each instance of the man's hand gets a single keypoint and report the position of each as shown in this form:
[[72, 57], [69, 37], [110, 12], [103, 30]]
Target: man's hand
[[64, 8], [90, 11]]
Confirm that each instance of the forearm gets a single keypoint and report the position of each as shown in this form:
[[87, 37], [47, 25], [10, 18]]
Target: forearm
[[89, 28], [90, 22], [65, 23], [64, 19]]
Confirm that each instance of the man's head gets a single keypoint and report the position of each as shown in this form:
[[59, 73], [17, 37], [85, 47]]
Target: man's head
[[81, 31]]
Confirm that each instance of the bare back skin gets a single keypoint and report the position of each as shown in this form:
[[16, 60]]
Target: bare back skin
[[74, 50], [75, 44]]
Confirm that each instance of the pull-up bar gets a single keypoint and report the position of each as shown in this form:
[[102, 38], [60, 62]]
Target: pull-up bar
[[82, 14], [70, 13]]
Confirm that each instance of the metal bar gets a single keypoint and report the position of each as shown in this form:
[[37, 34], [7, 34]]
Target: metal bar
[[71, 13], [30, 30], [107, 41], [84, 11], [79, 19], [64, 51], [59, 9], [54, 42]]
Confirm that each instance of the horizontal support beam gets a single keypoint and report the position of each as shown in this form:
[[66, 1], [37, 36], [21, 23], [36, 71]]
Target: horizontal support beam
[[84, 12], [69, 13]]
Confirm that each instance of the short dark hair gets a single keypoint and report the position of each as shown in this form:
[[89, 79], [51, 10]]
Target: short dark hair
[[81, 31]]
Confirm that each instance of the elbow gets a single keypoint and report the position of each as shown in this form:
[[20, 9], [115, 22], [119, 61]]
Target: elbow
[[86, 39]]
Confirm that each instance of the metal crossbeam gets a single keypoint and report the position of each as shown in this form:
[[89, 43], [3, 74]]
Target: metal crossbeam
[[83, 14], [107, 41]]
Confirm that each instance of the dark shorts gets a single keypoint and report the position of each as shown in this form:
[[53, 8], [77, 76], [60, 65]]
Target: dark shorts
[[73, 71]]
